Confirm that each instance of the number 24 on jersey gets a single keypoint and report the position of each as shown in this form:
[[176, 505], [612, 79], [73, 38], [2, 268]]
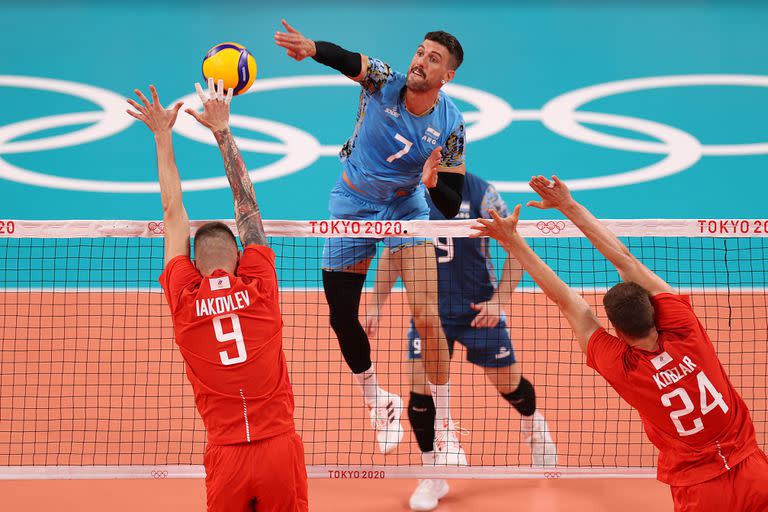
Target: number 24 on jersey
[[706, 390]]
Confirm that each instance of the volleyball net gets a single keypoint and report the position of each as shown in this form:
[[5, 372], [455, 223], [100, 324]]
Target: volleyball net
[[93, 386]]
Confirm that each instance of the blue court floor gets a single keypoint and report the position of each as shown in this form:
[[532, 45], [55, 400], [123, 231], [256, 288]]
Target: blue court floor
[[648, 109]]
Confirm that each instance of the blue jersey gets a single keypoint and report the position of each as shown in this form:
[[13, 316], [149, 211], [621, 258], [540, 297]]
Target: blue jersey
[[385, 155], [465, 269]]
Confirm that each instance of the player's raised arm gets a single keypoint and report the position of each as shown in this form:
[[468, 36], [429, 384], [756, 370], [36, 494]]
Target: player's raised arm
[[215, 116], [555, 194], [490, 312], [573, 306], [298, 47], [160, 121]]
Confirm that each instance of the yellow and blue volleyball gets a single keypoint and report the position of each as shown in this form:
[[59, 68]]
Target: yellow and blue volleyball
[[232, 63]]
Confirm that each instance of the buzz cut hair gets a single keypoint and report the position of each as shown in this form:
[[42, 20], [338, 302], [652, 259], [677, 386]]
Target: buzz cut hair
[[215, 229]]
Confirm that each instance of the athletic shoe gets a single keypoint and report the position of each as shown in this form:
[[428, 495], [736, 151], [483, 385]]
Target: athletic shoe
[[448, 451], [536, 431], [428, 493], [385, 419]]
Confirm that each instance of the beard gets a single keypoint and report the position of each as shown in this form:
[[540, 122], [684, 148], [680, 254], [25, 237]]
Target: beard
[[416, 82]]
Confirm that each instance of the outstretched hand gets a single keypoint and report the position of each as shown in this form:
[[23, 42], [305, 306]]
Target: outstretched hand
[[554, 194], [215, 106], [429, 171], [502, 229], [158, 119], [296, 45]]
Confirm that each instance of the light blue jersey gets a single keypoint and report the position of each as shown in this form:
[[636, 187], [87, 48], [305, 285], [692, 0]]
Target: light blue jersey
[[386, 153]]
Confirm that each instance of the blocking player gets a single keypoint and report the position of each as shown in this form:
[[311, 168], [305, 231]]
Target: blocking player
[[227, 325], [662, 362], [472, 313], [409, 135]]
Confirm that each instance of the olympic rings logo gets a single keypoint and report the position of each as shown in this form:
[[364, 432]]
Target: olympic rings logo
[[157, 228], [159, 473], [299, 149], [550, 227], [552, 475]]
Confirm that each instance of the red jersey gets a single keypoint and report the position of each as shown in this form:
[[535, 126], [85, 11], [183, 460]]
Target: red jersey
[[690, 410], [229, 331]]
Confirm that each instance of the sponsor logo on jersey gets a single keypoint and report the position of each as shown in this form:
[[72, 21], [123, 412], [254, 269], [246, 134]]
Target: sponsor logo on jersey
[[661, 360], [219, 283], [667, 377], [392, 111]]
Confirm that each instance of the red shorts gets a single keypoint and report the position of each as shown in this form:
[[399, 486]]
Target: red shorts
[[744, 489], [268, 473]]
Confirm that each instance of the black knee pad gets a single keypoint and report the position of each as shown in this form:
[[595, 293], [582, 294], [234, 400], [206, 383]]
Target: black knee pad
[[421, 415], [342, 292], [523, 398]]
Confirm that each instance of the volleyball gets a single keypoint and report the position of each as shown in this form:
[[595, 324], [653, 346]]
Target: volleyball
[[232, 63]]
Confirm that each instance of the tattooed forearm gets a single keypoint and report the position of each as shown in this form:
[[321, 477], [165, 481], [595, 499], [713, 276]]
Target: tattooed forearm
[[247, 213]]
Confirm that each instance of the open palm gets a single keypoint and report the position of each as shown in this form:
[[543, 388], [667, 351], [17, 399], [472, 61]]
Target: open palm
[[554, 194], [157, 118]]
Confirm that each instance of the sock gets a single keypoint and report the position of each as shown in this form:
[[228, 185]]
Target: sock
[[421, 415], [369, 385], [441, 394]]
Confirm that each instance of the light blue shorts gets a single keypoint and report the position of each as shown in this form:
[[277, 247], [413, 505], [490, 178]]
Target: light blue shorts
[[339, 253]]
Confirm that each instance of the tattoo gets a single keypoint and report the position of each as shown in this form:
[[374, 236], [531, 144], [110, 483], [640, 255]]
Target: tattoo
[[247, 213]]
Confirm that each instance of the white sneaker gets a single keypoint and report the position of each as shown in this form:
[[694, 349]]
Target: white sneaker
[[427, 494], [536, 431], [448, 451], [385, 419]]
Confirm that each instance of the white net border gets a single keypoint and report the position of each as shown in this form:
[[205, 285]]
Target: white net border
[[707, 228]]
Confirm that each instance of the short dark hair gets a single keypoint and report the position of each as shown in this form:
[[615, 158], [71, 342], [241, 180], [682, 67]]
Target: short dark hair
[[211, 229], [451, 44], [629, 309]]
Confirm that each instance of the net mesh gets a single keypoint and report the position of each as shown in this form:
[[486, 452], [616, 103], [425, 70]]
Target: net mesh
[[91, 383]]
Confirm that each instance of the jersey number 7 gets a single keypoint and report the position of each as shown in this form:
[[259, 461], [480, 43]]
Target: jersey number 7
[[705, 387], [236, 335]]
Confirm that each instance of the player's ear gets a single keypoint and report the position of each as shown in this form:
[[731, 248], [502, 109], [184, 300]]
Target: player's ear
[[449, 74]]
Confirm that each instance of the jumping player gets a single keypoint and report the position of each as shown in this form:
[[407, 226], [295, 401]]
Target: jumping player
[[227, 325], [662, 362], [472, 313], [408, 133]]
